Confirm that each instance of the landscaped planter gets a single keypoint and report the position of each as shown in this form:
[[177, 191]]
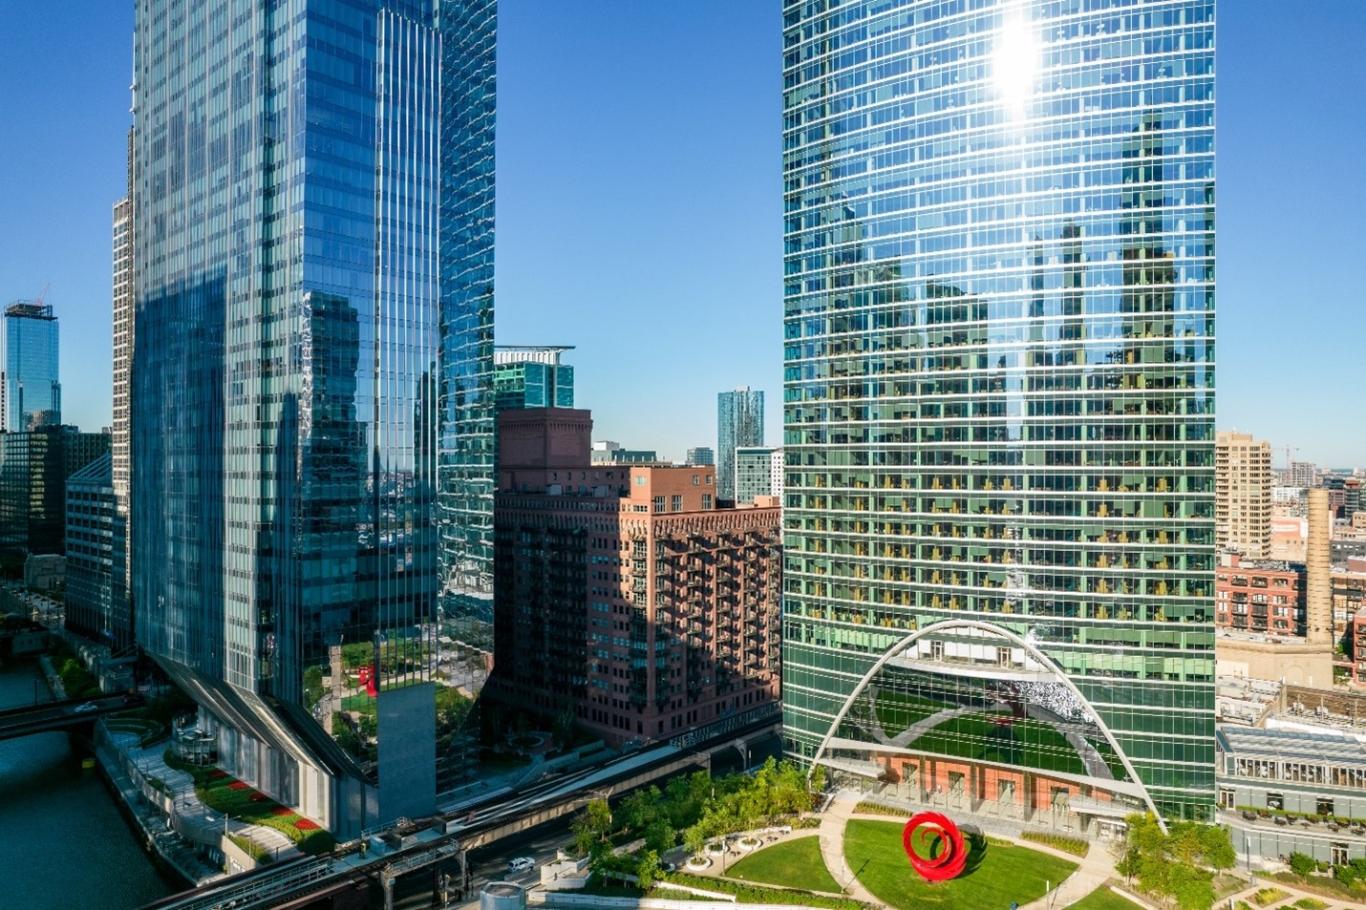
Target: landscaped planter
[[715, 849], [748, 843], [697, 863]]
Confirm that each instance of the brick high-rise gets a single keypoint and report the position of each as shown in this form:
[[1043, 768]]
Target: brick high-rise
[[624, 595]]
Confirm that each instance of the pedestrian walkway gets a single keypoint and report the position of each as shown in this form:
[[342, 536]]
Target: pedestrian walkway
[[1293, 894], [831, 834], [1096, 868]]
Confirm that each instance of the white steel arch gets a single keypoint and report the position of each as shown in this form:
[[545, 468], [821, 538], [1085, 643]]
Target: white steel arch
[[1030, 649]]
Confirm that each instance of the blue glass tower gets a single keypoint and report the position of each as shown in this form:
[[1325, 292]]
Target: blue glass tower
[[999, 399], [739, 422], [30, 394], [313, 318]]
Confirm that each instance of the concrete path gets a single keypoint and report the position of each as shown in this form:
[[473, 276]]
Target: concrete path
[[831, 834], [1097, 867], [1286, 903]]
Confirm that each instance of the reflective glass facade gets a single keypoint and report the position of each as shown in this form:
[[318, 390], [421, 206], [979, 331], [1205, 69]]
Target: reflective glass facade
[[298, 314], [739, 422], [527, 377], [999, 355], [32, 395], [467, 456]]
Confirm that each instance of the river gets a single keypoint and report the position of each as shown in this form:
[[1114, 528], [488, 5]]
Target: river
[[63, 841]]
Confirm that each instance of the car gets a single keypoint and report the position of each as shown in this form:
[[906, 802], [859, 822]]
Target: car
[[521, 864], [82, 709]]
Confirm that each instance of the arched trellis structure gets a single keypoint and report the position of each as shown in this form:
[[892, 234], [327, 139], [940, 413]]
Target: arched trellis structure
[[1029, 648]]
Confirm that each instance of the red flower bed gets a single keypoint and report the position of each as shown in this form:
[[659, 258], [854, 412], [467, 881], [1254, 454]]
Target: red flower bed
[[259, 798], [304, 824], [282, 811], [239, 785], [217, 774]]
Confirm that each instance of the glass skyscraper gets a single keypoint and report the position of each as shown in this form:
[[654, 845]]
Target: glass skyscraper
[[311, 375], [532, 377], [30, 393], [999, 395], [739, 422]]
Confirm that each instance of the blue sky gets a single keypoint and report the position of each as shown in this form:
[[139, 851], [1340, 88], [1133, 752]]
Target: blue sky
[[639, 205]]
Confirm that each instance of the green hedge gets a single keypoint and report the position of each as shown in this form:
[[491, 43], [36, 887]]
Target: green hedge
[[1073, 845], [757, 894]]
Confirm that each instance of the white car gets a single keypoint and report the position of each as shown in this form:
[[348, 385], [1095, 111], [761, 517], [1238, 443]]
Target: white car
[[521, 864], [82, 709]]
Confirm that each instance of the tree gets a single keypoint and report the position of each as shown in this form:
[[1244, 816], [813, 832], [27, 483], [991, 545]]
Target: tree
[[647, 869], [592, 827]]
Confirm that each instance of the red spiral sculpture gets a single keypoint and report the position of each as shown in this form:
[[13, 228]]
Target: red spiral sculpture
[[953, 856]]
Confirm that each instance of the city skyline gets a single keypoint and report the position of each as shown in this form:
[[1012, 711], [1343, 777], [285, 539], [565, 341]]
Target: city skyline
[[58, 232]]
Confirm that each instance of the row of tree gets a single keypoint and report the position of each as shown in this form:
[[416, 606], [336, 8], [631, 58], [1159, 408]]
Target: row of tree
[[1178, 865], [695, 807]]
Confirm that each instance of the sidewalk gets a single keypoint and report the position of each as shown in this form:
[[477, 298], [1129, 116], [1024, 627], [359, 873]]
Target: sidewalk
[[831, 833]]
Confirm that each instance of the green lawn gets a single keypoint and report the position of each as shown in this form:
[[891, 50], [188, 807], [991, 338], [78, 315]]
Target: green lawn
[[1005, 873], [1104, 899], [794, 863]]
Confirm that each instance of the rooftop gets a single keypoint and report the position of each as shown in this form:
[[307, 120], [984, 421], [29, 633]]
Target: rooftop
[[1280, 745]]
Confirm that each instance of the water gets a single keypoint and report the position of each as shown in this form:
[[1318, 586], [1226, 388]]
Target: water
[[63, 842]]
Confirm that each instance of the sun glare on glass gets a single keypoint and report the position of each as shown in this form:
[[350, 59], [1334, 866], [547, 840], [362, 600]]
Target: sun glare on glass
[[1015, 62]]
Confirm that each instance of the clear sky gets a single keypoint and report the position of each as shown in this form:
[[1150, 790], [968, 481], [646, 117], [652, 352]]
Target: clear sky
[[639, 205]]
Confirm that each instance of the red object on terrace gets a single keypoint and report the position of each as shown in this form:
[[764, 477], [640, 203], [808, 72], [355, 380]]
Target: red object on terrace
[[239, 785], [217, 774], [282, 811], [953, 856], [304, 824]]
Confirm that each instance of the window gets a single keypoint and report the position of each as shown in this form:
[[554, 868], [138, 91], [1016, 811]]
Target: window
[[706, 500], [696, 480], [709, 480], [659, 503], [1275, 801], [1323, 806], [640, 480], [675, 503]]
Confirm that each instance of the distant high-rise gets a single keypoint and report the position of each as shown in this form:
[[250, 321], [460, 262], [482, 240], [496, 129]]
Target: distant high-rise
[[701, 455], [30, 392], [311, 380], [91, 607], [739, 422], [1242, 494], [34, 467], [999, 400], [758, 472], [123, 358], [526, 376]]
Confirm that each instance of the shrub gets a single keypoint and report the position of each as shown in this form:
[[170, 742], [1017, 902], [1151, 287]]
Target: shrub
[[1073, 845], [1302, 864]]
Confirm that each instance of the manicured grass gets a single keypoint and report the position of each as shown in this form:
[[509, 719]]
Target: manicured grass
[[1265, 897], [1310, 903], [794, 863], [1104, 899], [224, 793], [1004, 873]]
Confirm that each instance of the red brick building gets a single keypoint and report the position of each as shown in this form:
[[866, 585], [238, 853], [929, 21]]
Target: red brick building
[[622, 593], [1259, 596]]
